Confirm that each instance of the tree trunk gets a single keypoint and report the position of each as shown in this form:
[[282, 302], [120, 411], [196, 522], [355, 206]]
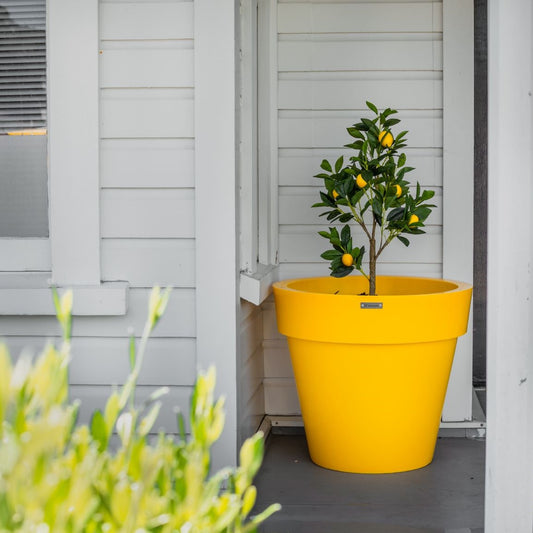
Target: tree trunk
[[372, 281]]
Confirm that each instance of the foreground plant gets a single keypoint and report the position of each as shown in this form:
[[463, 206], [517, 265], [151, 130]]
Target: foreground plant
[[56, 476], [372, 192]]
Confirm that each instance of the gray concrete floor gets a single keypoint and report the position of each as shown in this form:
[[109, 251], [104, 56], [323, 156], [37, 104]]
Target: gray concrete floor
[[447, 496]]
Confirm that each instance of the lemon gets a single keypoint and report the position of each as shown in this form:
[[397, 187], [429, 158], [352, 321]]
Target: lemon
[[347, 260], [398, 190], [413, 219], [360, 181], [335, 194], [385, 138]]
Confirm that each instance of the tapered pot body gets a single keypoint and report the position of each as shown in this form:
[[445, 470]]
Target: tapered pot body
[[372, 371]]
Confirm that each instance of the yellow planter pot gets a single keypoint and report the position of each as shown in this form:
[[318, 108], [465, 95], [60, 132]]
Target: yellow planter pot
[[372, 371]]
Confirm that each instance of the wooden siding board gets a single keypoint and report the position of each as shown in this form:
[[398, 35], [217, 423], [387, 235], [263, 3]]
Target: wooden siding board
[[133, 213], [148, 67], [315, 129], [94, 397], [168, 361], [148, 262], [295, 206], [140, 113], [360, 55], [303, 244], [306, 17], [147, 163], [150, 20], [347, 94], [298, 166]]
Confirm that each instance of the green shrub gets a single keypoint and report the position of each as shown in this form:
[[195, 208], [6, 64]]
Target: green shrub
[[56, 476]]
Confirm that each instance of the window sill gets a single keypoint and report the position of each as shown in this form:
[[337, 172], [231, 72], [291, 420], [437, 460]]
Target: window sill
[[30, 295], [255, 288]]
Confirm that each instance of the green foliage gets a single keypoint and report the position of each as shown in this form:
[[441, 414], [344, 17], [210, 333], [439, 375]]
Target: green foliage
[[56, 476], [372, 192]]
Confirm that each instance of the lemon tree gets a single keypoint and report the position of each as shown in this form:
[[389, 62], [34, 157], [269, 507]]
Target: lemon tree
[[370, 191]]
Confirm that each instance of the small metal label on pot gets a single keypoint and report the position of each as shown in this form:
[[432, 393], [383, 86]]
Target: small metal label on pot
[[371, 305]]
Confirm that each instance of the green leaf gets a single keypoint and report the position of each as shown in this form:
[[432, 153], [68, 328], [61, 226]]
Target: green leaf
[[401, 160], [342, 271], [346, 234], [354, 132], [372, 107], [391, 122], [98, 429], [396, 214], [330, 255], [403, 240], [339, 163], [325, 165], [324, 234]]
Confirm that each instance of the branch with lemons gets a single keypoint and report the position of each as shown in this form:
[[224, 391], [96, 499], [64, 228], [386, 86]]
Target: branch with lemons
[[370, 191]]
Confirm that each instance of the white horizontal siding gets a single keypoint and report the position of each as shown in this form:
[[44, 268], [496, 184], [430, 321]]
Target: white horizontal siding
[[147, 163], [121, 20], [327, 129], [153, 65], [168, 361], [147, 113], [324, 17], [298, 166], [361, 54], [93, 397], [145, 262], [148, 213], [332, 58]]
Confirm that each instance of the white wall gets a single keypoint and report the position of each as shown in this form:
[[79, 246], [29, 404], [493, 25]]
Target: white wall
[[147, 207], [332, 57]]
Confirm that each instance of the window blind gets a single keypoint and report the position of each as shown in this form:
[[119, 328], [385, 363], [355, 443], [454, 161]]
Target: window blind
[[22, 65]]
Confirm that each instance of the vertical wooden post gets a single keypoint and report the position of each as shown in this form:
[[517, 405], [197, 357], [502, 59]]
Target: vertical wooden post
[[217, 267], [73, 108], [458, 182], [509, 467]]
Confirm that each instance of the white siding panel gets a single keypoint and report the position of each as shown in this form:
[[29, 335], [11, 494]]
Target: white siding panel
[[352, 93], [295, 206], [302, 245], [281, 397], [167, 361], [178, 320], [146, 20], [133, 113], [310, 270], [355, 55], [158, 213], [94, 397], [307, 17], [148, 67], [297, 167], [30, 255], [325, 129], [148, 262], [147, 163]]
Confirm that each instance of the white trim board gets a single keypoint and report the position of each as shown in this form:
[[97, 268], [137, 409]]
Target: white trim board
[[217, 266]]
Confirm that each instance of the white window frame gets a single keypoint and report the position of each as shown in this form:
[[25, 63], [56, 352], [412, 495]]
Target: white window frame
[[73, 175], [258, 150]]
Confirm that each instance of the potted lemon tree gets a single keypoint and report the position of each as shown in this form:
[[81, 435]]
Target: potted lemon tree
[[371, 354]]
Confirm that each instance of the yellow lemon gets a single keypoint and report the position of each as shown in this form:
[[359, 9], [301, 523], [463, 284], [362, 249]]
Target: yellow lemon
[[360, 181], [385, 138], [347, 260], [413, 219], [398, 190], [335, 194]]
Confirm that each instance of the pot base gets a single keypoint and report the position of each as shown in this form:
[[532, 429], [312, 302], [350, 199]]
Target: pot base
[[371, 408]]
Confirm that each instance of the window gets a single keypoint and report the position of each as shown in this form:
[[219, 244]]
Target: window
[[23, 121]]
